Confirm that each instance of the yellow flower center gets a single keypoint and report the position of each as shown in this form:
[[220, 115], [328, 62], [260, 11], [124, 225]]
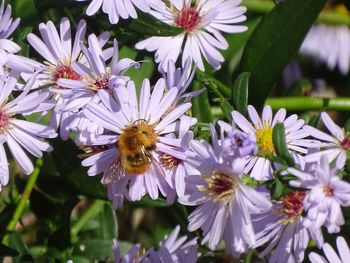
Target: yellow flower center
[[264, 140]]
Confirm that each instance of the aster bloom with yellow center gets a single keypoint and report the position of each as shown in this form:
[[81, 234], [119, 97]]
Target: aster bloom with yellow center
[[283, 227], [18, 133], [334, 146], [117, 9], [136, 141], [202, 22], [225, 204], [327, 193], [96, 78], [259, 166]]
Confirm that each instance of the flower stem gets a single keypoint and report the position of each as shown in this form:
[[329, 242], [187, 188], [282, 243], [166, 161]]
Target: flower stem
[[90, 213], [328, 16], [23, 202], [309, 103]]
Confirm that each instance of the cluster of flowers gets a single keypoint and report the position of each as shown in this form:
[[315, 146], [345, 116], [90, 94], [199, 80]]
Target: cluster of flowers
[[144, 145]]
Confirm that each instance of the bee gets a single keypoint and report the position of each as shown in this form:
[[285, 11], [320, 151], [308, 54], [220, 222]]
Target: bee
[[135, 145]]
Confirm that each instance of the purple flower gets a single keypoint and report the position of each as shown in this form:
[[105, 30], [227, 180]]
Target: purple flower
[[19, 133], [332, 256], [7, 46], [238, 144], [136, 140], [327, 192], [95, 79], [334, 146], [224, 203], [260, 130], [329, 44], [283, 227], [121, 8], [173, 249], [201, 22]]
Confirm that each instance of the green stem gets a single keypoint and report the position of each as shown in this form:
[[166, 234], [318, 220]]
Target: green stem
[[90, 213], [209, 81], [327, 16], [309, 103], [23, 202]]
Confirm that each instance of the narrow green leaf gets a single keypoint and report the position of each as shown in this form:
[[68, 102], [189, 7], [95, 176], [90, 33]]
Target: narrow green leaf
[[94, 249], [280, 145], [278, 189], [226, 108], [239, 94], [201, 105], [109, 226], [274, 42]]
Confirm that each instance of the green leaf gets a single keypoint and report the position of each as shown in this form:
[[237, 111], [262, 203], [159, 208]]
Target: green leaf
[[108, 228], [147, 24], [69, 167], [239, 94], [226, 108], [94, 249], [274, 42], [278, 189], [280, 145], [201, 105], [147, 201]]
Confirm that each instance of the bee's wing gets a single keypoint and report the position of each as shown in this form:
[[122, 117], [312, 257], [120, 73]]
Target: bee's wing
[[156, 166], [114, 172]]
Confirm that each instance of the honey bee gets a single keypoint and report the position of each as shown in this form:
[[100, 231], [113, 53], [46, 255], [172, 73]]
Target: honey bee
[[135, 145]]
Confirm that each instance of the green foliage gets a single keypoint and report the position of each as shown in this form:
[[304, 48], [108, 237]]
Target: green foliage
[[280, 145], [239, 93], [274, 42]]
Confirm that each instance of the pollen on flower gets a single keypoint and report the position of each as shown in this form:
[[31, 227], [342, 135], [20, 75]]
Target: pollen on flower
[[169, 161], [345, 144], [221, 186], [66, 72], [292, 206], [264, 140], [4, 120], [328, 190], [188, 18], [101, 83]]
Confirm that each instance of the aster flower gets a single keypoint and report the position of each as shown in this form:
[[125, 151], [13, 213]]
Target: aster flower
[[120, 8], [172, 249], [7, 26], [238, 145], [332, 256], [335, 146], [224, 203], [18, 133], [177, 169], [93, 78], [283, 227], [327, 192], [59, 53], [131, 164], [329, 44], [202, 23], [181, 78], [259, 166]]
